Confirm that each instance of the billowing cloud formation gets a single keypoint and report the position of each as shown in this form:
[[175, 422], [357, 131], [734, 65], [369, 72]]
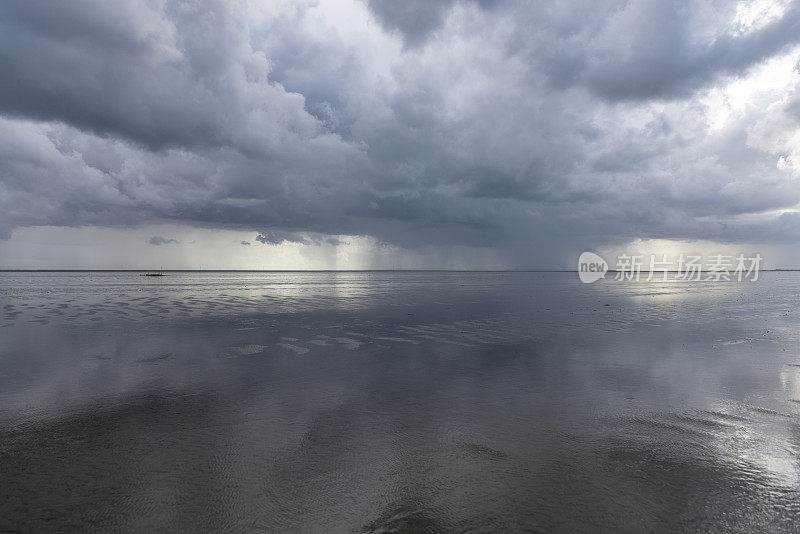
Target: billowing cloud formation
[[531, 128]]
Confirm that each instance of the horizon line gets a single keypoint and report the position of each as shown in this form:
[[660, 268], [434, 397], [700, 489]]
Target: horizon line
[[330, 270]]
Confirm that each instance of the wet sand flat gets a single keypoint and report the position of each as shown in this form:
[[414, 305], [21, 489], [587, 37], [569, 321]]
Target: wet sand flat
[[397, 402]]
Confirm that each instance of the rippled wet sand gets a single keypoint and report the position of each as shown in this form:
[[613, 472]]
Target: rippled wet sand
[[392, 402]]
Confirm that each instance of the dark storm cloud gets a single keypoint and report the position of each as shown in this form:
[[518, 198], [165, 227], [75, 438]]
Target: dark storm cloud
[[274, 237], [515, 125], [278, 238], [177, 76], [417, 19], [157, 240], [100, 66]]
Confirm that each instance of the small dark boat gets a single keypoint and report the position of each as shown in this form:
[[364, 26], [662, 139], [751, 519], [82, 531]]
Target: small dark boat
[[154, 274]]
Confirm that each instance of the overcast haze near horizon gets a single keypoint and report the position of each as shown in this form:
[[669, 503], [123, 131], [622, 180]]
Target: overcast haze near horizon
[[474, 134]]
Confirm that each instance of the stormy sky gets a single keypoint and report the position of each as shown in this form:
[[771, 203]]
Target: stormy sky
[[389, 134]]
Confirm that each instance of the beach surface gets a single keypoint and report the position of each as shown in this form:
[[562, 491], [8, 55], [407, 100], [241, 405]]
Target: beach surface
[[397, 402]]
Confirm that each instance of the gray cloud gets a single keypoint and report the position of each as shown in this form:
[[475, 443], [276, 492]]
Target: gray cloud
[[531, 128], [278, 237], [157, 240], [619, 50], [417, 19], [669, 58]]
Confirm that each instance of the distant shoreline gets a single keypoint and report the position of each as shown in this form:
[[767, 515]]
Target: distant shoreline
[[327, 271]]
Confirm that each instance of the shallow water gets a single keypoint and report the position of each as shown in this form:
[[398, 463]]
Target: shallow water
[[406, 401]]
